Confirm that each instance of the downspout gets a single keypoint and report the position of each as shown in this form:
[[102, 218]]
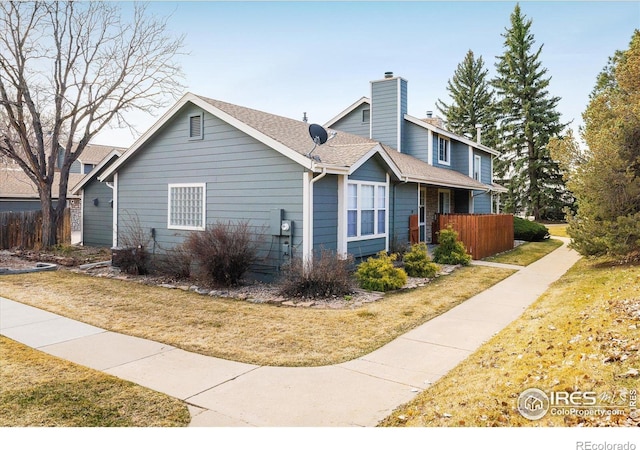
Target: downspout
[[308, 219]]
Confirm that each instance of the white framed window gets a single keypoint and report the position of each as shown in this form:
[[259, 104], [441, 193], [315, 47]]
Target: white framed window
[[196, 125], [366, 210], [477, 167], [444, 201], [187, 206], [444, 151]]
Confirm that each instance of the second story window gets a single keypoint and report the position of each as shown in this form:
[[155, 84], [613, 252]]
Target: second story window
[[366, 115], [444, 151], [477, 167]]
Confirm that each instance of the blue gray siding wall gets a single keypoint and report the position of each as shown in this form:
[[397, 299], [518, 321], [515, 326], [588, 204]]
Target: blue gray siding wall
[[372, 170], [460, 157], [97, 223], [353, 123], [416, 141], [245, 180], [362, 249], [388, 107], [325, 213], [20, 205], [404, 203]]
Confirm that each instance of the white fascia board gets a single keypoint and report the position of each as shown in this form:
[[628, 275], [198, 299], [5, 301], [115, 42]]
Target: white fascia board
[[450, 135], [347, 111], [379, 150], [106, 160], [145, 137]]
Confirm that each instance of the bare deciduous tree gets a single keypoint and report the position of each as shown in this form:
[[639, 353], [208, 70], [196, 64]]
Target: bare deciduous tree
[[69, 69]]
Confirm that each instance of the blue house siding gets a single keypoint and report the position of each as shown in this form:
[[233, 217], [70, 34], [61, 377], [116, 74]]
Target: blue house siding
[[352, 122], [416, 141], [97, 228], [388, 107], [481, 202], [362, 249], [20, 205], [325, 213], [245, 180], [372, 170], [404, 198], [459, 157]]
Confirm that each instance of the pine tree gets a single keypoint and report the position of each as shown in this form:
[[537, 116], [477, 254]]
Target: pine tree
[[606, 177], [528, 120], [472, 101]]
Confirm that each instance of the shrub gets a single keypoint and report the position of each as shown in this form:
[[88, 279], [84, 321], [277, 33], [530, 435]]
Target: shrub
[[417, 262], [526, 230], [326, 275], [174, 263], [379, 273], [450, 250], [132, 255], [224, 252]]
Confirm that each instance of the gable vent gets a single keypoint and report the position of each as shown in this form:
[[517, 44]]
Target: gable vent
[[195, 126]]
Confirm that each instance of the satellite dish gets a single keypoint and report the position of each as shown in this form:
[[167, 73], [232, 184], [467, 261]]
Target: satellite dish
[[318, 134]]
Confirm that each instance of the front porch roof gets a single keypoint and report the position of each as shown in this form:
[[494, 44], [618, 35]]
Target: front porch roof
[[417, 171]]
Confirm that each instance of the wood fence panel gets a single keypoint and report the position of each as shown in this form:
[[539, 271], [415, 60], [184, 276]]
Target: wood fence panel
[[24, 229], [482, 234]]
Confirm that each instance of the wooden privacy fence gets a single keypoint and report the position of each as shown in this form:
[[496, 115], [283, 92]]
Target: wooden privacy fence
[[24, 229], [482, 234]]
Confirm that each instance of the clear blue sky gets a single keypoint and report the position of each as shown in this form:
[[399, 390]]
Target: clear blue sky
[[318, 57]]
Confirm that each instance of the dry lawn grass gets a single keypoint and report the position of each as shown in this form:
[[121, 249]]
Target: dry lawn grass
[[37, 389], [557, 229], [242, 331], [527, 253], [581, 335]]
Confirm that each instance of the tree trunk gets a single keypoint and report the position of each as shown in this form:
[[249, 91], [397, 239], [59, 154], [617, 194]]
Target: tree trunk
[[49, 218]]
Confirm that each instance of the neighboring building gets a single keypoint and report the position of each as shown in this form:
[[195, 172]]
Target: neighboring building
[[19, 193], [96, 205], [206, 160]]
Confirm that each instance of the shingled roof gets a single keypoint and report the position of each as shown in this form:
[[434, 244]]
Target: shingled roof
[[14, 183], [291, 137]]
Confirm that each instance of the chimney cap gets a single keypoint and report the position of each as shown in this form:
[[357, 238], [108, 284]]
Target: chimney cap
[[388, 74], [429, 114]]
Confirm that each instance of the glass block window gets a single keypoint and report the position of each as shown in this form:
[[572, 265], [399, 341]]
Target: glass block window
[[187, 206]]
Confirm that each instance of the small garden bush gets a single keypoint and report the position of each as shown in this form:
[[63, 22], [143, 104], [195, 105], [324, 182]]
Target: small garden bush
[[417, 262], [526, 230], [224, 252], [380, 274], [174, 263], [450, 250], [326, 275], [132, 256]]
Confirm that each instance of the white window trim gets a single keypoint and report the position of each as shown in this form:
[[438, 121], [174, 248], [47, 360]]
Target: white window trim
[[201, 135], [203, 186], [358, 236], [477, 165], [442, 161]]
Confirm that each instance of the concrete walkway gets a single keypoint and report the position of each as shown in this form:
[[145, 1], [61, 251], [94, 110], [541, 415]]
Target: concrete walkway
[[360, 392]]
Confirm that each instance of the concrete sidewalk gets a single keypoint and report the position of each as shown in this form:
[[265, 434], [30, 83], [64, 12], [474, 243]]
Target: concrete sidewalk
[[360, 392]]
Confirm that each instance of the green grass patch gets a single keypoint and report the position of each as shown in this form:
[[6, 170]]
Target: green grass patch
[[527, 253], [581, 335]]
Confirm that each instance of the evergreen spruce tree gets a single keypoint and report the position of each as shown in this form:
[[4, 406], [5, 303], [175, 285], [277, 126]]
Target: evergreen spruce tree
[[472, 101], [528, 120]]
